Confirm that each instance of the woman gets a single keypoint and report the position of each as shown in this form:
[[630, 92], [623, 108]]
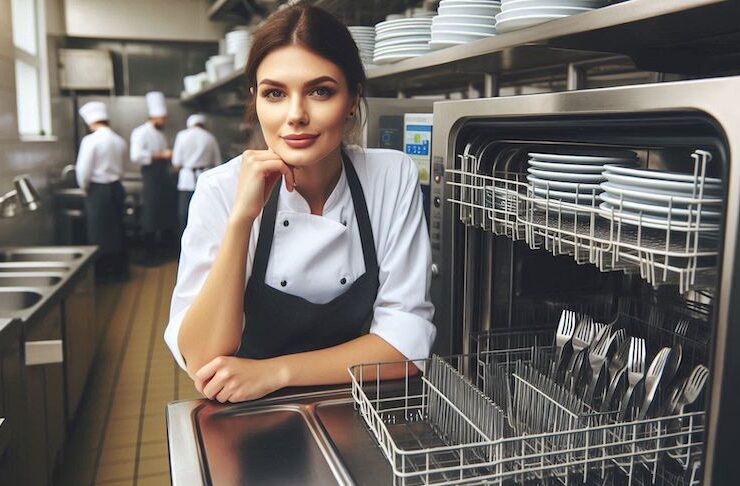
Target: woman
[[336, 266]]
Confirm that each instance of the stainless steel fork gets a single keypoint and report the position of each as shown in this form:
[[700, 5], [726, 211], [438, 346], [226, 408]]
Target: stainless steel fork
[[582, 339], [615, 370], [635, 373], [654, 377], [597, 359], [692, 388], [566, 328]]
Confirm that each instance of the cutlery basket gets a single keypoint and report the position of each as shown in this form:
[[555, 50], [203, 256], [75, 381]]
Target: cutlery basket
[[495, 416]]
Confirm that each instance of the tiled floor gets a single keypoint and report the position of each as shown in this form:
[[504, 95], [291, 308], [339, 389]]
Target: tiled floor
[[119, 437]]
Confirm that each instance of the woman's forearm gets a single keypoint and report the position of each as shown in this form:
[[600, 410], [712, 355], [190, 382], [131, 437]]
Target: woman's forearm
[[329, 366], [212, 325]]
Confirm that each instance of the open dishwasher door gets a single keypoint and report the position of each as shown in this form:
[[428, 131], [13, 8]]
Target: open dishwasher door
[[558, 219]]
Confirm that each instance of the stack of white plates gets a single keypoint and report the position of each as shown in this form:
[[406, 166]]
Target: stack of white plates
[[238, 43], [520, 14], [218, 67], [462, 21], [195, 82], [653, 197], [574, 179], [400, 39], [364, 37]]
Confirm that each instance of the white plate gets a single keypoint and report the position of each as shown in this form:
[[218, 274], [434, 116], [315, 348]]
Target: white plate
[[653, 221], [459, 37], [565, 176], [567, 196], [518, 23], [405, 22], [464, 19], [645, 183], [418, 50], [401, 33], [465, 29], [481, 9], [539, 11], [660, 174], [557, 167], [403, 41], [564, 186], [436, 44], [388, 59], [674, 197], [624, 204], [582, 159], [513, 4]]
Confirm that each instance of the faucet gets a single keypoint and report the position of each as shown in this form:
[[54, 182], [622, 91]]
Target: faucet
[[24, 195]]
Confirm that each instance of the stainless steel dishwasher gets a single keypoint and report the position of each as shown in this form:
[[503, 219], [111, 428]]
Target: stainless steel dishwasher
[[584, 256]]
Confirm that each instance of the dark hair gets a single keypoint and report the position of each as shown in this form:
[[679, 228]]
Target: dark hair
[[314, 29]]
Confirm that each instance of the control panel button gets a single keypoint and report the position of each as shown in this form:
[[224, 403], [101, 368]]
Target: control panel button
[[435, 270], [437, 201]]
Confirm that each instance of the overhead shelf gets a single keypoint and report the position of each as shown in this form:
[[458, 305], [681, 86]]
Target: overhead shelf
[[234, 10], [695, 37]]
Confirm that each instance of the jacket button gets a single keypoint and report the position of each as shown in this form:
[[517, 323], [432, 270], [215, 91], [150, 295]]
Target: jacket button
[[343, 281], [286, 223], [283, 283]]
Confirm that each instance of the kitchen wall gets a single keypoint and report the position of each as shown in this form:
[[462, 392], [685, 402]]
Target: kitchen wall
[[141, 19], [39, 159]]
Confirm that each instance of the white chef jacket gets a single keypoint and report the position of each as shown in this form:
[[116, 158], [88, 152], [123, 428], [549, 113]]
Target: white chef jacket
[[145, 140], [314, 253], [101, 158], [195, 148]]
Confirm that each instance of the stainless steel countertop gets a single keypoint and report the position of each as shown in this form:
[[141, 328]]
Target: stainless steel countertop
[[69, 271], [306, 436]]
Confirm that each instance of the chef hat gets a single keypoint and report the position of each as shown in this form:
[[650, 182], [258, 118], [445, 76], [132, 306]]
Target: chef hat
[[196, 119], [93, 111], [155, 104]]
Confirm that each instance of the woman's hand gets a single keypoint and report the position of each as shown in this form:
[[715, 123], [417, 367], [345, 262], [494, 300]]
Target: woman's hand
[[232, 379], [261, 170]]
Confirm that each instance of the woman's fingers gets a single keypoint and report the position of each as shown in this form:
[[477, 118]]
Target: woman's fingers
[[213, 388], [209, 369], [223, 396]]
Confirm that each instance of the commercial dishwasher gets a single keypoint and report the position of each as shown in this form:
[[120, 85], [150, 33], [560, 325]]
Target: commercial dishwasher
[[584, 335]]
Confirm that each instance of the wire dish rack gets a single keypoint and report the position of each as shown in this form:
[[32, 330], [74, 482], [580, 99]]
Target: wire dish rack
[[497, 417], [672, 250]]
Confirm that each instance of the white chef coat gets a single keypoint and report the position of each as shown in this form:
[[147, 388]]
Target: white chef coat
[[195, 148], [312, 254], [101, 158], [145, 140]]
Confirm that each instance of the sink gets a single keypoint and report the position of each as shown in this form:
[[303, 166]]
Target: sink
[[13, 300], [40, 255], [29, 279], [43, 267]]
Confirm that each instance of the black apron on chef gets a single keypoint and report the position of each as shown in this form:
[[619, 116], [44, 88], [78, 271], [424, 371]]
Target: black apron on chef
[[158, 197], [277, 323], [104, 214]]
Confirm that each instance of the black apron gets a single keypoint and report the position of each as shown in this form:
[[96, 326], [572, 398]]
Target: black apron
[[158, 197], [184, 197], [277, 323], [104, 211]]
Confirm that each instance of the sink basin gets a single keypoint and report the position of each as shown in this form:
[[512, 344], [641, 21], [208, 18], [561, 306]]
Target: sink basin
[[40, 255], [29, 279], [12, 300], [43, 267]]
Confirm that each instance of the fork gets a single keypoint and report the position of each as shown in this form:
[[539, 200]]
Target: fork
[[692, 388], [635, 372], [682, 327], [582, 339], [615, 370], [653, 378], [597, 359], [564, 334]]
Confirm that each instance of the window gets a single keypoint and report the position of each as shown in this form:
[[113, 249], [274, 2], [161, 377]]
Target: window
[[31, 68]]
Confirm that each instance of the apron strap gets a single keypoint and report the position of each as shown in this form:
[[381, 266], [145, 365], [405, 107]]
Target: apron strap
[[269, 213], [362, 215]]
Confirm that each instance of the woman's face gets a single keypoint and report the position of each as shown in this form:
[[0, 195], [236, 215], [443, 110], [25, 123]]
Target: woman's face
[[303, 103]]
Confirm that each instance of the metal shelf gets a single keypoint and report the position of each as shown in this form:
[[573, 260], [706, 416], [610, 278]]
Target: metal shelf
[[695, 37], [232, 82], [688, 36]]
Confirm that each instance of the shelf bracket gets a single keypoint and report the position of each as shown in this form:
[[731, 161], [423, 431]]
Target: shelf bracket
[[491, 85]]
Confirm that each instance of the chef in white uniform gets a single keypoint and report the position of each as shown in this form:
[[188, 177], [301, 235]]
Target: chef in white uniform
[[150, 150], [99, 168], [195, 151]]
